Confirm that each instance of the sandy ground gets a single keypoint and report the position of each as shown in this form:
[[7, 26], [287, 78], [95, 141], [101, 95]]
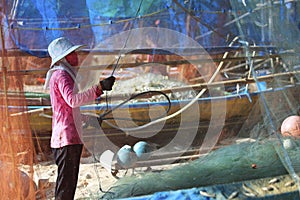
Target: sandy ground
[[92, 176]]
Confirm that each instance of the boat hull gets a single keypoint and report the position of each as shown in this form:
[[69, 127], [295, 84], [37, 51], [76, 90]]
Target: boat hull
[[218, 117]]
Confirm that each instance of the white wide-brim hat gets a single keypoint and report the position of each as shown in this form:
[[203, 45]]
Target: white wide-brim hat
[[60, 48]]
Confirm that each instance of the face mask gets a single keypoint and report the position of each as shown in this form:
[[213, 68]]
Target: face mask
[[72, 58]]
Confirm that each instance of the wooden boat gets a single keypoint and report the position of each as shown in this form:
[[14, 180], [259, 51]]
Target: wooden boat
[[221, 116]]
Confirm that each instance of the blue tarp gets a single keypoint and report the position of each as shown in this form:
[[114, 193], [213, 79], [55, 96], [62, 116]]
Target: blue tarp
[[32, 24], [194, 194]]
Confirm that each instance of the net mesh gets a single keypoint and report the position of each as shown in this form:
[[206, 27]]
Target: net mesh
[[259, 24], [16, 143], [226, 71]]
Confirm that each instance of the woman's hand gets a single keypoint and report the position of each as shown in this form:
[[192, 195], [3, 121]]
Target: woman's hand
[[107, 84]]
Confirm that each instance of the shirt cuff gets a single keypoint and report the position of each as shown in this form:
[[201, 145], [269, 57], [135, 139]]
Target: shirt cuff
[[97, 90]]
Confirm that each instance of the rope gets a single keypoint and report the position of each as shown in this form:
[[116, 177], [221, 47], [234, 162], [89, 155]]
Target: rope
[[188, 11], [125, 43], [198, 19], [115, 67], [79, 26], [102, 116], [186, 106]]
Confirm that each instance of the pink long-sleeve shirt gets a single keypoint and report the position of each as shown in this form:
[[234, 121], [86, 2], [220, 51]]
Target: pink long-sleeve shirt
[[66, 102]]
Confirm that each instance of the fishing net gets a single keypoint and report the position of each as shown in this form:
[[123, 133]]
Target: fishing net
[[16, 144], [250, 145], [206, 84]]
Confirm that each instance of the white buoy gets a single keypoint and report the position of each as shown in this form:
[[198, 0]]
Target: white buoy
[[126, 157], [143, 150]]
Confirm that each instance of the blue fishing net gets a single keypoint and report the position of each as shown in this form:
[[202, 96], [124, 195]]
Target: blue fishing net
[[229, 70], [32, 25]]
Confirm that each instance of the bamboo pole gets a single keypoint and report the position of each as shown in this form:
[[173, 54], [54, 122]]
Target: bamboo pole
[[4, 74], [131, 65], [35, 111], [6, 130], [116, 97], [209, 85], [166, 51]]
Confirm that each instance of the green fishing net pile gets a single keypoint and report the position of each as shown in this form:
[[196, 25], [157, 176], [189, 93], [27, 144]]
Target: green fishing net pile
[[239, 162]]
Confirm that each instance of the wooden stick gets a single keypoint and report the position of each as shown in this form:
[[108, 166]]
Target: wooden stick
[[231, 82], [213, 84], [165, 51], [38, 110], [131, 65], [116, 97]]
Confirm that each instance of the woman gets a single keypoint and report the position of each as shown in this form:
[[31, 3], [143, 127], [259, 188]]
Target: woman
[[66, 140]]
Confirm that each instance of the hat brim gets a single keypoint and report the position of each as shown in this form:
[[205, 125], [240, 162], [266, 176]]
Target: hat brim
[[73, 48]]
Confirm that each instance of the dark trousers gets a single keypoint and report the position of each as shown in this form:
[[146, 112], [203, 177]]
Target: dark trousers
[[67, 160]]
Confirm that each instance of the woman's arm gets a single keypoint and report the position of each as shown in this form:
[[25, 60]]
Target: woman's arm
[[72, 98]]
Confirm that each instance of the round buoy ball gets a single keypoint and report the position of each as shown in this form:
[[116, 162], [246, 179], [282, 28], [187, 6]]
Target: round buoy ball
[[291, 126], [142, 150], [126, 157]]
